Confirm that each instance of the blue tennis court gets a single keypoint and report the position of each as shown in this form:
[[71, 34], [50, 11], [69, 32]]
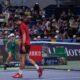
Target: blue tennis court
[[47, 75]]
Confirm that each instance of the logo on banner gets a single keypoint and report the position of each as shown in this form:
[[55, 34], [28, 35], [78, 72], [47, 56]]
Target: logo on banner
[[36, 53]]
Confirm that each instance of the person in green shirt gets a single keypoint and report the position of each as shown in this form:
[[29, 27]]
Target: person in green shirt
[[10, 48]]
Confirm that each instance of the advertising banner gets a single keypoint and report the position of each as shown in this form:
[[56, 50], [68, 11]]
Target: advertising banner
[[51, 61], [72, 50], [36, 53]]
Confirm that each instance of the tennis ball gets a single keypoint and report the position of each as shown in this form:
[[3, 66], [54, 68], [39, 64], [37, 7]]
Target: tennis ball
[[68, 70]]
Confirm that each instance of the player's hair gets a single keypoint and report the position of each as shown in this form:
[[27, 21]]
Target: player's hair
[[17, 18]]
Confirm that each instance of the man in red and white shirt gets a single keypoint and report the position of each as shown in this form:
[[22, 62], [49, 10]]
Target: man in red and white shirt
[[24, 48]]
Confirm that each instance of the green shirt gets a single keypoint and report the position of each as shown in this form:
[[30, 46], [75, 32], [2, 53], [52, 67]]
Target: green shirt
[[12, 47]]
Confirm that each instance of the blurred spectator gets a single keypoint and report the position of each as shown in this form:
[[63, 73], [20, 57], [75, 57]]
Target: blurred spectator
[[7, 15], [78, 30], [1, 35], [1, 8], [63, 28], [53, 27], [69, 14], [27, 12], [34, 31], [42, 13], [73, 25], [36, 8], [63, 16]]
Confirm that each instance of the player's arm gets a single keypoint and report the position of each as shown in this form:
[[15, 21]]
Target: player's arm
[[23, 35], [23, 38]]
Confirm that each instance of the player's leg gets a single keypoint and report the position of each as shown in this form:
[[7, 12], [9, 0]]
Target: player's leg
[[21, 67], [22, 64], [39, 69], [9, 58]]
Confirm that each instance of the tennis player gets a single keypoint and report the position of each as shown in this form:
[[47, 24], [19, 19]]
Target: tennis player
[[25, 48]]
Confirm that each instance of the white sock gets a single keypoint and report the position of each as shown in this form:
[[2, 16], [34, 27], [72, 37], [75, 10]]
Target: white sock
[[20, 71], [37, 67]]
